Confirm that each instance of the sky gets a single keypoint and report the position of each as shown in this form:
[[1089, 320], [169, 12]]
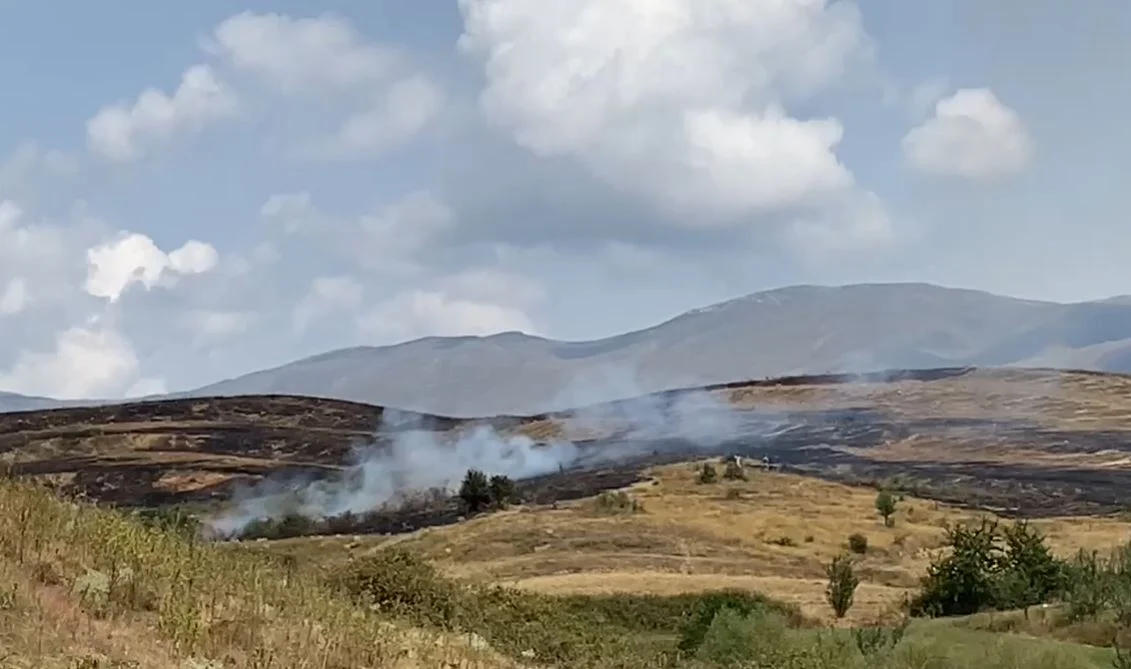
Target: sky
[[193, 191]]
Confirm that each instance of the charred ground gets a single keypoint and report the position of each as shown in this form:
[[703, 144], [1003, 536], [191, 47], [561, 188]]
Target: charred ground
[[1020, 442]]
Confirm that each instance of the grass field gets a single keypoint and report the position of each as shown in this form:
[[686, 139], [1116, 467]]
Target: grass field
[[616, 580]]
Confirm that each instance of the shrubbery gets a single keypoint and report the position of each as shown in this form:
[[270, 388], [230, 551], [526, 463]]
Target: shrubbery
[[576, 630], [990, 567]]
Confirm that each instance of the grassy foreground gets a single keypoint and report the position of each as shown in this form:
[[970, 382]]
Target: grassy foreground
[[83, 587]]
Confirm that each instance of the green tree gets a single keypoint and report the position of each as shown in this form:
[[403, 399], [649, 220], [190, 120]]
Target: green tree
[[885, 504], [965, 581], [501, 490], [708, 473], [842, 584], [475, 491], [1032, 575]]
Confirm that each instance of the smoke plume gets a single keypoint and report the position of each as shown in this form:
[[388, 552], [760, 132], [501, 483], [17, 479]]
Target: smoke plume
[[404, 458]]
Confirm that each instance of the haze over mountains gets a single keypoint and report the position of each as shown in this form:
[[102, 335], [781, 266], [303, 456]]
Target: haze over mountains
[[794, 330]]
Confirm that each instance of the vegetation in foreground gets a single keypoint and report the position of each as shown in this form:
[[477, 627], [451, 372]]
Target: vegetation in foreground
[[199, 603]]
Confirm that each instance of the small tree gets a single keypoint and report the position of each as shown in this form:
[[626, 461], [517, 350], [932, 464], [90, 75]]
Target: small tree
[[842, 585], [885, 504], [475, 491], [502, 491], [708, 473]]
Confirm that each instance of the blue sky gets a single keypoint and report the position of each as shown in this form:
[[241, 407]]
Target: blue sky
[[355, 173]]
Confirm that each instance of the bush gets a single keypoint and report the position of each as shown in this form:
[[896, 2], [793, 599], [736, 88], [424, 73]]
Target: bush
[[617, 502], [501, 489], [695, 630], [858, 543], [475, 491], [885, 505], [708, 473], [171, 519], [990, 568], [842, 585], [401, 584]]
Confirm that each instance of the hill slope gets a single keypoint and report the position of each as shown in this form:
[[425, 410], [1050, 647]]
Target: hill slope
[[797, 330]]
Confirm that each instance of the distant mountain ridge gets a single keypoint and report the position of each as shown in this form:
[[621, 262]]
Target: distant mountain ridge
[[795, 330]]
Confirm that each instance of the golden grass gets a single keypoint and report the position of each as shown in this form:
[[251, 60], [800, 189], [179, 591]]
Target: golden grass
[[776, 538], [80, 582]]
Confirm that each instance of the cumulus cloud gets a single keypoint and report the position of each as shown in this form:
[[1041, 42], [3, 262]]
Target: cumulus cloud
[[91, 361], [298, 55], [972, 135], [388, 240], [420, 313], [210, 326], [388, 103], [401, 113], [327, 295], [14, 297], [684, 103], [135, 258], [125, 132]]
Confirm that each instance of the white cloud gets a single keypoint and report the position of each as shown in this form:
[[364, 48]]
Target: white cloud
[[29, 167], [405, 109], [297, 55], [135, 258], [493, 285], [123, 132], [326, 295], [681, 101], [39, 254], [193, 258], [389, 240], [87, 362], [210, 326], [392, 237], [971, 135], [420, 313], [14, 297]]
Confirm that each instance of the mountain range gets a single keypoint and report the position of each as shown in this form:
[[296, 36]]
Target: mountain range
[[794, 330]]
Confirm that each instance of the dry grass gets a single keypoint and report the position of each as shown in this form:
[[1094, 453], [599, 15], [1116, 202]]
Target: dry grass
[[80, 582], [776, 537]]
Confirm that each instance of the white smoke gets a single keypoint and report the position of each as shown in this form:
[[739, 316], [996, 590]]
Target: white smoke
[[404, 458]]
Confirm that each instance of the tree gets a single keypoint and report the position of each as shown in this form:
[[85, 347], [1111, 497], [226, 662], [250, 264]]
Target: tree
[[708, 474], [965, 581], [501, 490], [842, 584], [885, 504], [475, 491], [1032, 574]]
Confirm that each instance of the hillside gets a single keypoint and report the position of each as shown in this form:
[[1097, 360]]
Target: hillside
[[1033, 442], [796, 330], [611, 578]]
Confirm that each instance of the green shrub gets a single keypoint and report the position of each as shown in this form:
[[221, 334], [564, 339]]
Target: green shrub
[[988, 568], [708, 473], [858, 543], [885, 505], [475, 491], [501, 490], [619, 501], [399, 583], [841, 589]]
